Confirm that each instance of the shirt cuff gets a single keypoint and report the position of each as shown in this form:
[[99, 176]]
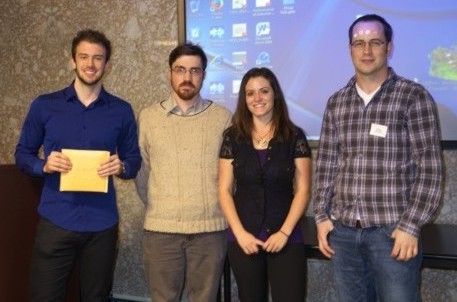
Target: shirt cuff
[[38, 167], [321, 218]]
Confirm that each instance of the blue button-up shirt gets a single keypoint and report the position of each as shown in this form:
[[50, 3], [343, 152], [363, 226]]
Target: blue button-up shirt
[[59, 121]]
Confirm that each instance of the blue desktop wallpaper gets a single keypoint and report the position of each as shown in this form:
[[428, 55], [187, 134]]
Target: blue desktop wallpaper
[[306, 44]]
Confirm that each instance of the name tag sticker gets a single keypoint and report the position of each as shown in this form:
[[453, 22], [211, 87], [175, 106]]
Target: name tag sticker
[[378, 130]]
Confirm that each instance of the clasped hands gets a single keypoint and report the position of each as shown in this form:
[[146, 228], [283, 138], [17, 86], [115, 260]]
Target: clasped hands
[[251, 245]]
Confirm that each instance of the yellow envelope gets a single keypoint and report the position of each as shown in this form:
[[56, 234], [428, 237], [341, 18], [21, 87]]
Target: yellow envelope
[[83, 174]]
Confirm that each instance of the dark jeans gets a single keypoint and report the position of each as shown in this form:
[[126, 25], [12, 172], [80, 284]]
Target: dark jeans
[[285, 272], [55, 252]]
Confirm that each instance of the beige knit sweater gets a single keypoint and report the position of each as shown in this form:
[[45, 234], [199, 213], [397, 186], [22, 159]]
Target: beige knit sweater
[[178, 179]]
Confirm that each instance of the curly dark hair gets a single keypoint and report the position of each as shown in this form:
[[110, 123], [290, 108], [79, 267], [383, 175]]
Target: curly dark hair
[[91, 36]]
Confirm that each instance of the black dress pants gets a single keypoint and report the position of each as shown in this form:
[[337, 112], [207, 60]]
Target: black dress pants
[[55, 252], [282, 274]]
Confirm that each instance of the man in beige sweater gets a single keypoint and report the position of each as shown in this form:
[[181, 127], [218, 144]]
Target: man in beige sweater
[[185, 231]]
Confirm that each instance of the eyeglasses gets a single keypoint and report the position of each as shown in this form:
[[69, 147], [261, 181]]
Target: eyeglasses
[[194, 71], [374, 44]]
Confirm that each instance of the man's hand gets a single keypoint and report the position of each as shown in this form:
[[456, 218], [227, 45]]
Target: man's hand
[[405, 247], [113, 166], [323, 229], [57, 162]]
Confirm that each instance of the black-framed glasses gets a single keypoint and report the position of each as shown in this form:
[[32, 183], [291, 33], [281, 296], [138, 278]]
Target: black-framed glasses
[[374, 44], [194, 71]]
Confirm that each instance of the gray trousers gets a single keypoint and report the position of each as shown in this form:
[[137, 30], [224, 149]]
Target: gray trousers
[[175, 261]]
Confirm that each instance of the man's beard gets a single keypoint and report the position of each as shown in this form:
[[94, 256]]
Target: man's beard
[[89, 83], [186, 94]]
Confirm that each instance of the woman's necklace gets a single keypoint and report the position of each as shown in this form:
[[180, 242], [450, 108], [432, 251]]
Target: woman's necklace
[[261, 140]]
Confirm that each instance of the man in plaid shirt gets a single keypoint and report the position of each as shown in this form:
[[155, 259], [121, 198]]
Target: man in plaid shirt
[[379, 174]]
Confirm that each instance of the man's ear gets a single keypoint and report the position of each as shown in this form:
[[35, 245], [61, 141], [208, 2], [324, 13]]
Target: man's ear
[[72, 64], [390, 49]]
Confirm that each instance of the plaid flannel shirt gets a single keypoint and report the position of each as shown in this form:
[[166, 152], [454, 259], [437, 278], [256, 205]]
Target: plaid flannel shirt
[[392, 177]]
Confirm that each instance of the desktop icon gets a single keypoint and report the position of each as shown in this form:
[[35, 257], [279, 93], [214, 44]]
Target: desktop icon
[[216, 5], [195, 33], [263, 58], [239, 58], [216, 61], [216, 88], [262, 29], [236, 86], [194, 4], [239, 4], [262, 3], [216, 32], [239, 30]]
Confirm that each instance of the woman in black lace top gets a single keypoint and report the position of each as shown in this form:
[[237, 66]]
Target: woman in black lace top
[[264, 188]]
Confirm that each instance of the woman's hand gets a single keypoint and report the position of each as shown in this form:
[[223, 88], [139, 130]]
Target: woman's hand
[[248, 243], [276, 242]]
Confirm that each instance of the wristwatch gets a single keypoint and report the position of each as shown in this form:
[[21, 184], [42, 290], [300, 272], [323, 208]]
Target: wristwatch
[[123, 168]]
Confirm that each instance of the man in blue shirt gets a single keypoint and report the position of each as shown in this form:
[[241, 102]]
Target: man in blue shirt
[[78, 225]]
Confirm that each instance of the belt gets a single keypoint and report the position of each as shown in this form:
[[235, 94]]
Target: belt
[[358, 225]]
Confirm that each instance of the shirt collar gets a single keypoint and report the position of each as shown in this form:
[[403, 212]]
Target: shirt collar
[[71, 96], [391, 77], [171, 106]]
